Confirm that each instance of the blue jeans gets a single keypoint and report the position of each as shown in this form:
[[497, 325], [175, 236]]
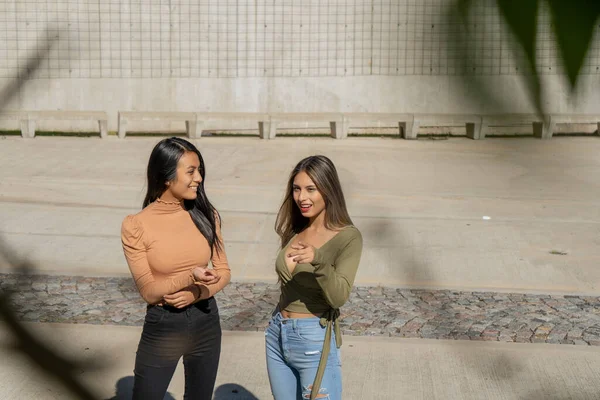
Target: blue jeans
[[293, 352]]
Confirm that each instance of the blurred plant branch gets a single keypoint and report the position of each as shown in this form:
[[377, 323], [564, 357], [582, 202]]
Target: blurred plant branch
[[573, 25], [52, 364]]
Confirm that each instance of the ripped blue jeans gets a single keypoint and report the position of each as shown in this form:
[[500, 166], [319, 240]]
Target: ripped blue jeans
[[293, 352]]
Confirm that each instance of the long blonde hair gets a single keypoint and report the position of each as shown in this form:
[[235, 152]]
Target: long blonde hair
[[322, 172]]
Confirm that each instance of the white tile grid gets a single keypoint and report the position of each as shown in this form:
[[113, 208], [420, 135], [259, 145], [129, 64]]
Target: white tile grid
[[287, 38]]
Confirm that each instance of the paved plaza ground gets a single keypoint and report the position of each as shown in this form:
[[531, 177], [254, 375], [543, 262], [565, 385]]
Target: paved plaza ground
[[371, 311], [479, 276]]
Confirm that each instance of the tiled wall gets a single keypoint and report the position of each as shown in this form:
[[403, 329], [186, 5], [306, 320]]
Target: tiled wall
[[260, 38]]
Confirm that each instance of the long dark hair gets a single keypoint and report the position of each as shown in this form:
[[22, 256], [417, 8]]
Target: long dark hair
[[162, 167], [322, 172]]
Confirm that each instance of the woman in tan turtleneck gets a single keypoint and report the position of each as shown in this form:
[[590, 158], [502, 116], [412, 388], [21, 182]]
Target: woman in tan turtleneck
[[168, 246]]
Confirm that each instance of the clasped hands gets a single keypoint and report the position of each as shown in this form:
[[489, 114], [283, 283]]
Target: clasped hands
[[190, 294]]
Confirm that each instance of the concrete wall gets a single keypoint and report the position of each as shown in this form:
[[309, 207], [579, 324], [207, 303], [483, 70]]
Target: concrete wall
[[337, 55]]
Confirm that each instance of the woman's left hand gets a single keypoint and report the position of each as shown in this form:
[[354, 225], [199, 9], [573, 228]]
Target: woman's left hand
[[184, 297], [303, 253]]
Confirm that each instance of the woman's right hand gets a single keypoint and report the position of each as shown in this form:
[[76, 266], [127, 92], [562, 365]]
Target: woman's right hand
[[184, 297], [205, 276]]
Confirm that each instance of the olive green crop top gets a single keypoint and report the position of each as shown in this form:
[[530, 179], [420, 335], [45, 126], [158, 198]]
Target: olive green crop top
[[322, 286], [327, 281]]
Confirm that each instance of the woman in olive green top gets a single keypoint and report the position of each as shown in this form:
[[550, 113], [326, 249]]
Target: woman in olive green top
[[317, 263]]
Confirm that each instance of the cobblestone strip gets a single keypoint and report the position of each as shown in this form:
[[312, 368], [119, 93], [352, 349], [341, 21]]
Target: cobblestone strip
[[370, 311]]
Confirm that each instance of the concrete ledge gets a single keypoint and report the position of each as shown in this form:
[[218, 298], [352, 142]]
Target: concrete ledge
[[477, 126], [188, 117], [335, 120], [403, 121], [21, 116], [472, 123], [570, 119], [28, 119], [14, 115], [539, 124], [219, 120]]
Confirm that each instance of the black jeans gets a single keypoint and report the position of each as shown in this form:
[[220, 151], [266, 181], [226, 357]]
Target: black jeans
[[169, 333]]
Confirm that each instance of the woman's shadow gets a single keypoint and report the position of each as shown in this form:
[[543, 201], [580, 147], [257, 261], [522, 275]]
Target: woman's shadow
[[124, 390], [231, 391], [228, 391]]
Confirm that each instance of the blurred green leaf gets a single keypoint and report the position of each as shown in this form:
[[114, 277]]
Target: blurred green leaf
[[33, 63], [574, 24], [463, 6], [521, 17], [53, 364]]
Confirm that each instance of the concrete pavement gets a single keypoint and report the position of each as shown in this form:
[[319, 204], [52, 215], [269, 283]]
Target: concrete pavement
[[370, 311], [373, 368], [420, 205]]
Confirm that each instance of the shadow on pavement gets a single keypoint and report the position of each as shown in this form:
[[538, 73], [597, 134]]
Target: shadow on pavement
[[232, 391], [124, 390]]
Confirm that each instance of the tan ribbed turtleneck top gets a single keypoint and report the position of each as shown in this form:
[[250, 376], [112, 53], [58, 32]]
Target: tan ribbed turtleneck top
[[162, 247]]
